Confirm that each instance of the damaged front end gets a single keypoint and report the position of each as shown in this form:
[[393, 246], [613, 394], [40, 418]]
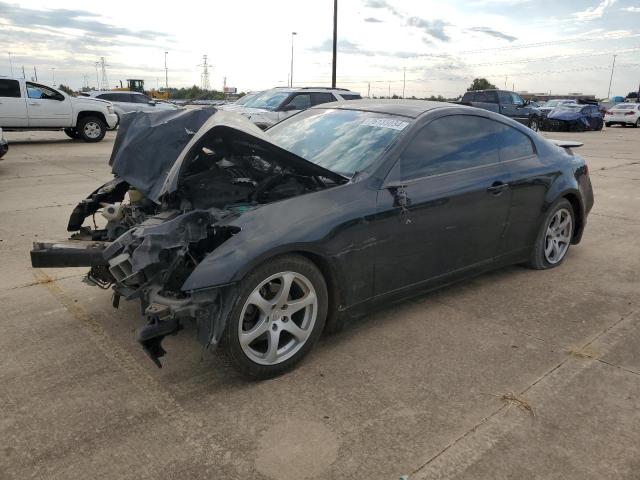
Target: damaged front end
[[170, 205]]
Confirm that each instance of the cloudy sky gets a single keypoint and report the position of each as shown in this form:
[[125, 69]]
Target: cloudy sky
[[534, 45]]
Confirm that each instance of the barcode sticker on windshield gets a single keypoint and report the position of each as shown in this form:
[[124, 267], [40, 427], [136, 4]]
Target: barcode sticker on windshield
[[385, 123]]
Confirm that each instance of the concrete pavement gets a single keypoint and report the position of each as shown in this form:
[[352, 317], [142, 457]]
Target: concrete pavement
[[514, 374]]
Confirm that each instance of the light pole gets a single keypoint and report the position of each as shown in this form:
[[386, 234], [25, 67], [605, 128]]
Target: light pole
[[10, 63], [166, 72], [611, 79], [335, 43], [53, 76], [293, 34]]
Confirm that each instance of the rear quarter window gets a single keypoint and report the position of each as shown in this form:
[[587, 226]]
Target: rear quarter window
[[348, 96]]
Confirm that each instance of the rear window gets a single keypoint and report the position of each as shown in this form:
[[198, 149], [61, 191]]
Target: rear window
[[468, 97], [626, 106], [9, 88]]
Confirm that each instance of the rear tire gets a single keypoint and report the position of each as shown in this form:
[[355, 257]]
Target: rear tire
[[265, 337], [608, 124], [534, 124], [554, 239], [72, 133], [638, 123], [91, 129]]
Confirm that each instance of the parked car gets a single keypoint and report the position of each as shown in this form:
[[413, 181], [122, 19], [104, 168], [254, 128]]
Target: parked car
[[125, 102], [506, 103], [32, 106], [272, 106], [264, 238], [574, 117], [623, 114], [551, 104], [4, 145]]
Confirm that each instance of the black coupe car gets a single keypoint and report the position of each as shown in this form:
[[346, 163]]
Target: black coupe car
[[264, 239]]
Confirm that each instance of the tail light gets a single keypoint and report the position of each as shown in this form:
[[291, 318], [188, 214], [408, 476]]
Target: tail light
[[629, 113]]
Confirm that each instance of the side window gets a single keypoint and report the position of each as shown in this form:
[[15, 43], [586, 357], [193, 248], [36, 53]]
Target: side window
[[321, 97], [9, 88], [505, 98], [514, 144], [41, 92], [488, 96], [106, 96], [516, 99], [351, 96], [301, 101], [469, 97], [478, 141]]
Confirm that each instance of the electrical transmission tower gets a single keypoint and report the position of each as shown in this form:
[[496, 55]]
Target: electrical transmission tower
[[204, 76], [104, 83]]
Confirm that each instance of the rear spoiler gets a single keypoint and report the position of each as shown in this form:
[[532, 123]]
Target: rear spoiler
[[568, 144]]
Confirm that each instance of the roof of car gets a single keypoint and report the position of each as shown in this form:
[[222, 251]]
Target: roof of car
[[94, 93], [407, 108]]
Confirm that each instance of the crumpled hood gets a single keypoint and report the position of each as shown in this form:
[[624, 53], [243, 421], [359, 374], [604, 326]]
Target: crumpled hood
[[565, 114], [148, 144], [151, 148]]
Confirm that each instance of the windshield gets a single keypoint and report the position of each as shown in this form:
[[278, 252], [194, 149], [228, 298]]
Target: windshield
[[268, 100], [246, 98], [343, 141]]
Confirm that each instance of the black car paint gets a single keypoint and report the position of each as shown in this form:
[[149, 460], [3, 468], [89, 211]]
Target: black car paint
[[375, 238], [361, 233]]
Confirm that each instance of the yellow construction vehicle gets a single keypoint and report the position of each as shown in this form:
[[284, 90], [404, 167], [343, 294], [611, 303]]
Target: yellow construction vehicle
[[137, 85]]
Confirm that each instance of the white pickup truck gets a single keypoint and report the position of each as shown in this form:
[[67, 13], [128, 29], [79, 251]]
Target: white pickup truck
[[26, 105]]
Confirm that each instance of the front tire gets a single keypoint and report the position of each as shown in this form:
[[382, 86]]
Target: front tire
[[554, 238], [277, 317], [638, 123], [91, 129]]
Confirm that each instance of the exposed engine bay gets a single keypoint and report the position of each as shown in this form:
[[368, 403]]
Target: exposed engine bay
[[157, 231]]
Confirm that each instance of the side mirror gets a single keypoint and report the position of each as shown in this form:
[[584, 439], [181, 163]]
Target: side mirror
[[151, 102]]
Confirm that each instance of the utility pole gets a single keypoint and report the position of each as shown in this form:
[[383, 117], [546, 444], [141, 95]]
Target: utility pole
[[35, 73], [97, 78], [23, 75], [389, 96], [404, 80], [335, 43], [293, 34], [166, 72], [10, 63], [369, 89], [611, 79], [53, 76]]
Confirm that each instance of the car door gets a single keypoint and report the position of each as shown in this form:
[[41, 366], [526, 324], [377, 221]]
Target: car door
[[47, 107], [445, 204], [521, 111], [13, 107]]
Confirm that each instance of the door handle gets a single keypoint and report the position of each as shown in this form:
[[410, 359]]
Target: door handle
[[34, 104], [497, 188]]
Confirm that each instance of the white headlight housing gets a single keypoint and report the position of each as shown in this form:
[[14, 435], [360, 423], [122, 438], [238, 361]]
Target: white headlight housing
[[109, 109]]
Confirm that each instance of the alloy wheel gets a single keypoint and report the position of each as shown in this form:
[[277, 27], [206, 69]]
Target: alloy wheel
[[92, 130], [277, 318], [558, 236]]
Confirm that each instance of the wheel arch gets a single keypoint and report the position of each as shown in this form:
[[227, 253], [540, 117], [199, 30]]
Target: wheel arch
[[578, 213], [90, 113]]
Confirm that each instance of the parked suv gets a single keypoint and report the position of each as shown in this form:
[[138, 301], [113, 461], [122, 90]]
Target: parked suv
[[271, 106], [28, 105], [509, 104], [125, 102]]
